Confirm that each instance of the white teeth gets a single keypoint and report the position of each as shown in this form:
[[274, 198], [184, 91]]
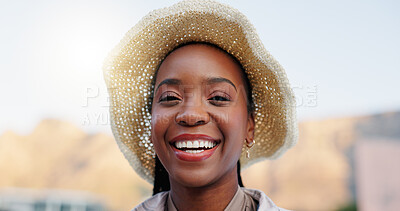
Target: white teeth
[[194, 151], [195, 144]]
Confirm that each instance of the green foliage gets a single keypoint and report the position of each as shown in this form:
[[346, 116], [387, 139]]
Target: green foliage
[[348, 207]]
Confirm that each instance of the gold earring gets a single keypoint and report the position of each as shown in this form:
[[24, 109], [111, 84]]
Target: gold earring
[[248, 147]]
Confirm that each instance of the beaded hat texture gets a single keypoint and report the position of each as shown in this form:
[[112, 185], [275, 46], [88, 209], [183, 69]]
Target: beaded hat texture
[[130, 67]]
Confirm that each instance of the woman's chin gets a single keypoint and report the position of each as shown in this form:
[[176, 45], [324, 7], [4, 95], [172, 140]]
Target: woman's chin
[[192, 179]]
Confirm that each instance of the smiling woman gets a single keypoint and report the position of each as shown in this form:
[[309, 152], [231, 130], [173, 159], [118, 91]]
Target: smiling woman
[[192, 90]]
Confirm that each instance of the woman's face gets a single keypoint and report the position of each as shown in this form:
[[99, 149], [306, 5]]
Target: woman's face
[[199, 115]]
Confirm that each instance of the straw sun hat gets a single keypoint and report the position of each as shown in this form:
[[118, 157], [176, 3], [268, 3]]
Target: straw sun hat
[[130, 67]]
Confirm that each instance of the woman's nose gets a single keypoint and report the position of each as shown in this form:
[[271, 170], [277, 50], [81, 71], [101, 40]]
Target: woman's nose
[[193, 115]]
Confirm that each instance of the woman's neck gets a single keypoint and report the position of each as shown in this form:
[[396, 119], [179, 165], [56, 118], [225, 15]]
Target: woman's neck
[[212, 197]]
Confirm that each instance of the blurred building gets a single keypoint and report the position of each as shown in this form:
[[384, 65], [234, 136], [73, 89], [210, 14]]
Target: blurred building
[[19, 199], [377, 174]]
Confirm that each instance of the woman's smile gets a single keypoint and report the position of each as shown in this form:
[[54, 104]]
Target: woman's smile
[[194, 147]]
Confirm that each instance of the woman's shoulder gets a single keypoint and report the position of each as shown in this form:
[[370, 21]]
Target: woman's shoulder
[[263, 201], [156, 202]]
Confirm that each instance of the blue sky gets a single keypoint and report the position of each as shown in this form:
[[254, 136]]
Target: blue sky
[[342, 57]]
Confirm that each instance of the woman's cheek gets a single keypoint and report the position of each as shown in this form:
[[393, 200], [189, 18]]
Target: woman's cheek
[[160, 122], [235, 128]]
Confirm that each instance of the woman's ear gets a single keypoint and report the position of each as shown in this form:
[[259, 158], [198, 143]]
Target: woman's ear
[[250, 129]]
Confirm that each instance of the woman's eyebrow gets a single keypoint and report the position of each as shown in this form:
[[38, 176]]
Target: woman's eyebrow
[[169, 81], [214, 80]]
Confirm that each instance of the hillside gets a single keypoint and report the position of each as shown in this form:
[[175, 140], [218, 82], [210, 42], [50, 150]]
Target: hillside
[[61, 156]]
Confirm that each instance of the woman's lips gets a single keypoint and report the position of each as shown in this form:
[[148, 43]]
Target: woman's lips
[[194, 147]]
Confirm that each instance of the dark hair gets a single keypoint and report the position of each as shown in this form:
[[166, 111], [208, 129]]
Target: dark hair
[[161, 176]]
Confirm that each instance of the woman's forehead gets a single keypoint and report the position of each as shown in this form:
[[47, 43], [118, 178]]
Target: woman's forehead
[[199, 63]]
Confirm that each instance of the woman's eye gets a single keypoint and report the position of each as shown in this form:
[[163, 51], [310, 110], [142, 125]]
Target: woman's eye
[[219, 98], [168, 98]]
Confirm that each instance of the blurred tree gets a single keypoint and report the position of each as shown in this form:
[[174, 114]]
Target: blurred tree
[[352, 206]]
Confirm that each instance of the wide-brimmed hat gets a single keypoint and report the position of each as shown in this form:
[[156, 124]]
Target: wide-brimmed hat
[[130, 67]]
